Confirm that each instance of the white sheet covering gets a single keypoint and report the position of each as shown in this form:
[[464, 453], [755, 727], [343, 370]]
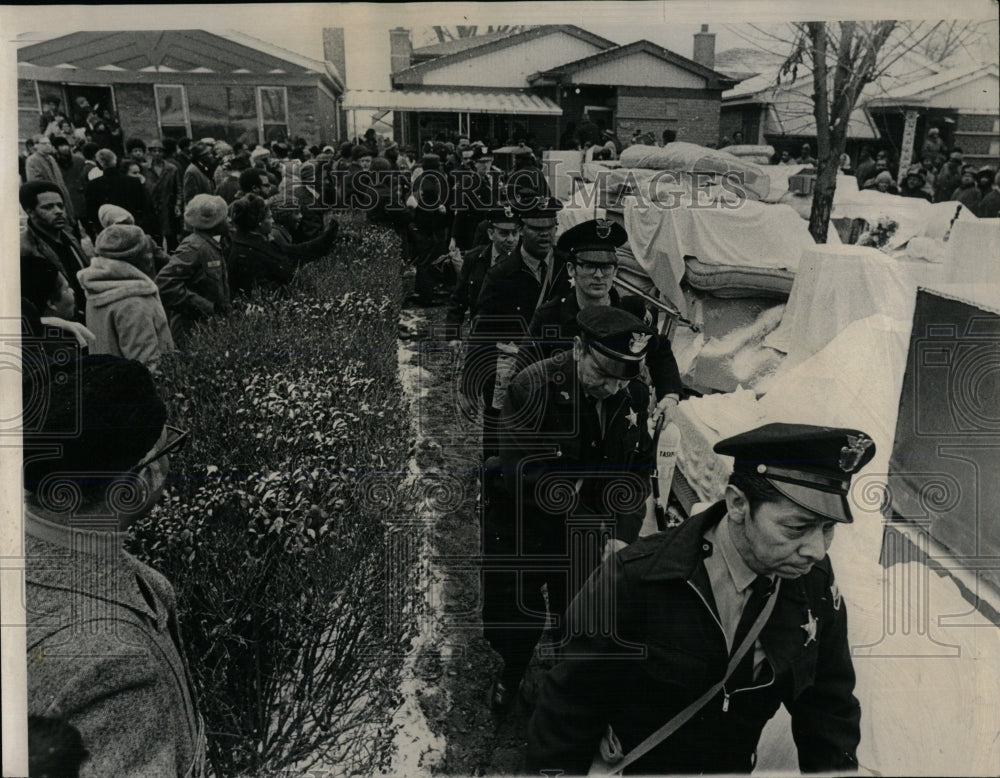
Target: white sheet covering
[[690, 157], [928, 692], [753, 235]]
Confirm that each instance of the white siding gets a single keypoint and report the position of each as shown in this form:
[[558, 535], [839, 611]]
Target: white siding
[[510, 67], [983, 94], [639, 69]]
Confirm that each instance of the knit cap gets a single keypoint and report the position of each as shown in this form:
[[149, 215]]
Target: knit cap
[[124, 242]]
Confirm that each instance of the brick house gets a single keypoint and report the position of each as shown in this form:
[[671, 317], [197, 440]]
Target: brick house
[[183, 82], [543, 81]]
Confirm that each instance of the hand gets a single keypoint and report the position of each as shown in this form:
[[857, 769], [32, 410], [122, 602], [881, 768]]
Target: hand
[[84, 337], [667, 408], [612, 546]]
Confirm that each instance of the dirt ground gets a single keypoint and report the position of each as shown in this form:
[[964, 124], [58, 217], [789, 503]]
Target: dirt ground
[[456, 668]]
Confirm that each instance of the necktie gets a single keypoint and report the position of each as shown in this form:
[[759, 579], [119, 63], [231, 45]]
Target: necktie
[[760, 590]]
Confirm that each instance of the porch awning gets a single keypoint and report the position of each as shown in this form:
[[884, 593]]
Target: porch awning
[[509, 101]]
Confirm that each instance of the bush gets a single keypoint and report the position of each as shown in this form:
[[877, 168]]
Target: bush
[[269, 529]]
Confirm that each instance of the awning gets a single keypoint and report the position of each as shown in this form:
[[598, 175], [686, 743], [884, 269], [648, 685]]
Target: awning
[[510, 101]]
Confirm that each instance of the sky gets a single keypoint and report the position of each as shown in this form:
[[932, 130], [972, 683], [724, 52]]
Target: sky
[[298, 27]]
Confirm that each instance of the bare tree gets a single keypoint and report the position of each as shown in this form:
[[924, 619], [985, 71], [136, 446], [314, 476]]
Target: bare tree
[[458, 32]]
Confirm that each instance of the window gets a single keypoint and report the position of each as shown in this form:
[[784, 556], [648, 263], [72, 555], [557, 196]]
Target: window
[[273, 113], [223, 112], [172, 111]]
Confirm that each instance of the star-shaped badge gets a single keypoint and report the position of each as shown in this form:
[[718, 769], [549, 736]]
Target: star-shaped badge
[[633, 418], [810, 627]]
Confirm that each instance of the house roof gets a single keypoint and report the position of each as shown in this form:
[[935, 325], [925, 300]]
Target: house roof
[[925, 89], [715, 79], [457, 45], [191, 51], [414, 74], [499, 101]]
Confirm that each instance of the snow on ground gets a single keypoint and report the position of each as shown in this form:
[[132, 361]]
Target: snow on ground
[[417, 749]]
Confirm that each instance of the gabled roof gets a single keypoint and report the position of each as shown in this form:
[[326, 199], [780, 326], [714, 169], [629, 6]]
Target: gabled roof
[[413, 75], [927, 88], [458, 45], [171, 50], [715, 80]]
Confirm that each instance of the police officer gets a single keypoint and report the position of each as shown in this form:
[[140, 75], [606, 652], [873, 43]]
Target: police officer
[[681, 602], [503, 227], [511, 291], [574, 470], [591, 265], [476, 189]]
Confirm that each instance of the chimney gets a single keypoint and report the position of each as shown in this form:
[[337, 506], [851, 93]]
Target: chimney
[[333, 50], [704, 47], [400, 49]]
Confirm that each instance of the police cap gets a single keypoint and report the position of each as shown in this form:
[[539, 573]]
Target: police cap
[[812, 466], [594, 240], [618, 338]]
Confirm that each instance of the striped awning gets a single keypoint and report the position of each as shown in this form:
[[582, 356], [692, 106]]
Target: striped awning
[[510, 101]]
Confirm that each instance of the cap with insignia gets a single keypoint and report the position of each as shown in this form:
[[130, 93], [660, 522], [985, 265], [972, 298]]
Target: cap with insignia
[[618, 339], [503, 214], [811, 466], [535, 209], [481, 153], [594, 240]]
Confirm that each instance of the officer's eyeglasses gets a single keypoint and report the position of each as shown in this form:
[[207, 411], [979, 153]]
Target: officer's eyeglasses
[[593, 268], [176, 440]]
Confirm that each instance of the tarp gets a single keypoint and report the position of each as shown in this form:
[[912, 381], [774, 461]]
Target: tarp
[[691, 158], [754, 235]]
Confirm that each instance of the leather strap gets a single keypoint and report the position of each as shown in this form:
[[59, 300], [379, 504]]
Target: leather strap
[[681, 718]]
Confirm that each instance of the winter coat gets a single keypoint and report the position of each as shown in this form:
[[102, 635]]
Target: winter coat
[[104, 652], [255, 261], [124, 311], [666, 648], [195, 283], [43, 167], [196, 182], [118, 189]]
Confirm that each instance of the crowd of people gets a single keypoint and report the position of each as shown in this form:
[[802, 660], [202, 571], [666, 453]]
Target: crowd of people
[[128, 244]]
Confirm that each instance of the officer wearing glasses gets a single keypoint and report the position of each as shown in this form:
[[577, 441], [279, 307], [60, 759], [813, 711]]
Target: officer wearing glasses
[[592, 265]]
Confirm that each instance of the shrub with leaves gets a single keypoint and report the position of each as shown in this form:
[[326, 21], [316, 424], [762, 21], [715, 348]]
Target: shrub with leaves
[[268, 528]]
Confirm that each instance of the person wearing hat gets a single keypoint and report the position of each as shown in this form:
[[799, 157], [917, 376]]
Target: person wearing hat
[[722, 618], [427, 232], [109, 214], [591, 264], [287, 217], [195, 282], [511, 291], [574, 446], [967, 193], [117, 188], [933, 144], [104, 647], [913, 184], [503, 228], [123, 303], [198, 178], [475, 189]]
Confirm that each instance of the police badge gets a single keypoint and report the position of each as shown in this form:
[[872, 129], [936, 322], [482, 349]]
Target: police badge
[[508, 212], [852, 453], [638, 342], [603, 228]]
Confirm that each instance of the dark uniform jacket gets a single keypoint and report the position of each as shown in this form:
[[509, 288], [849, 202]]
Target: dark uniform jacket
[[195, 283], [507, 300], [550, 432], [554, 326], [474, 196], [664, 609], [475, 263]]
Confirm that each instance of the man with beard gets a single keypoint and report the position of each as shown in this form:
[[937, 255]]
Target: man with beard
[[42, 166], [198, 176], [47, 235]]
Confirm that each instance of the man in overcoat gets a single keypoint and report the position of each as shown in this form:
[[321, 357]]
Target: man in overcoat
[[679, 604]]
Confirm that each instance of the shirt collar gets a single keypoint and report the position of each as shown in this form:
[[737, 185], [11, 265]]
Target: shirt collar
[[61, 534], [720, 537]]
